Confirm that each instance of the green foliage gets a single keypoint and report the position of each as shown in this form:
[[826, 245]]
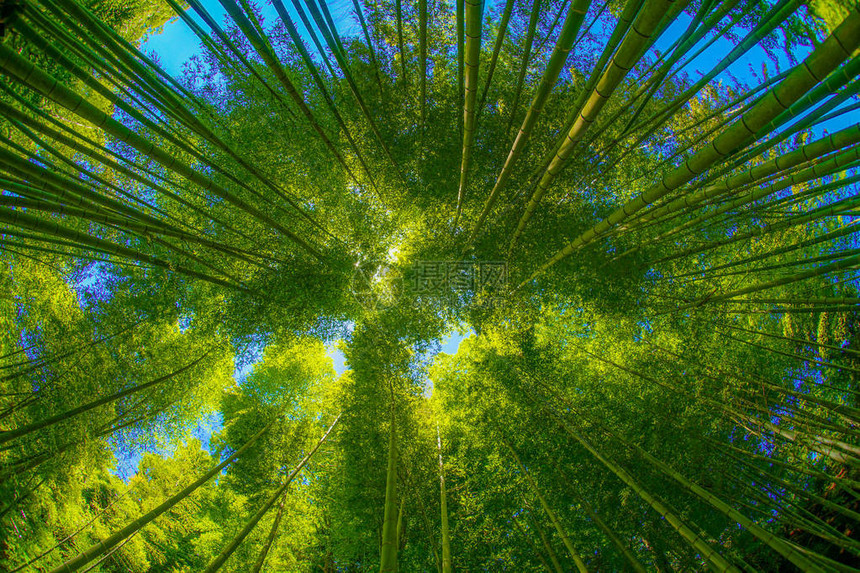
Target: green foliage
[[668, 381]]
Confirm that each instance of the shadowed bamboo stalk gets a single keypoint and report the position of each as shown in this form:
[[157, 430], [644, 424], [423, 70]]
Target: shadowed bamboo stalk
[[23, 220], [497, 48], [370, 48], [534, 546], [422, 60], [165, 98], [708, 553], [547, 545], [332, 40], [388, 552], [443, 496], [634, 563], [534, 14], [312, 68], [770, 539], [7, 435]]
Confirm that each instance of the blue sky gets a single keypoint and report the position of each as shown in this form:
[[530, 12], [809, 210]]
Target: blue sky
[[177, 43]]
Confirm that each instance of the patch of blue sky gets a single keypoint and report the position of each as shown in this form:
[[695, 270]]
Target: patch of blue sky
[[338, 359], [752, 68], [129, 454], [94, 283], [249, 353], [643, 327], [177, 43], [185, 320], [449, 345]]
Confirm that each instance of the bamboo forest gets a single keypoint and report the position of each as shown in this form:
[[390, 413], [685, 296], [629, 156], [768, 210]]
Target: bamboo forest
[[429, 286]]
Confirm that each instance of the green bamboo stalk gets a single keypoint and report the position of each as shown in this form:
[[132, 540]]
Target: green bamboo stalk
[[422, 59], [635, 564], [534, 14], [19, 432], [625, 20], [553, 557], [497, 48], [770, 539], [808, 216], [473, 51], [398, 10], [782, 10], [807, 153], [632, 48], [266, 52], [388, 554], [370, 47], [460, 30], [330, 38], [300, 10], [835, 164], [708, 553], [28, 74], [312, 68], [574, 554], [97, 151], [27, 221], [446, 532], [160, 92], [535, 548]]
